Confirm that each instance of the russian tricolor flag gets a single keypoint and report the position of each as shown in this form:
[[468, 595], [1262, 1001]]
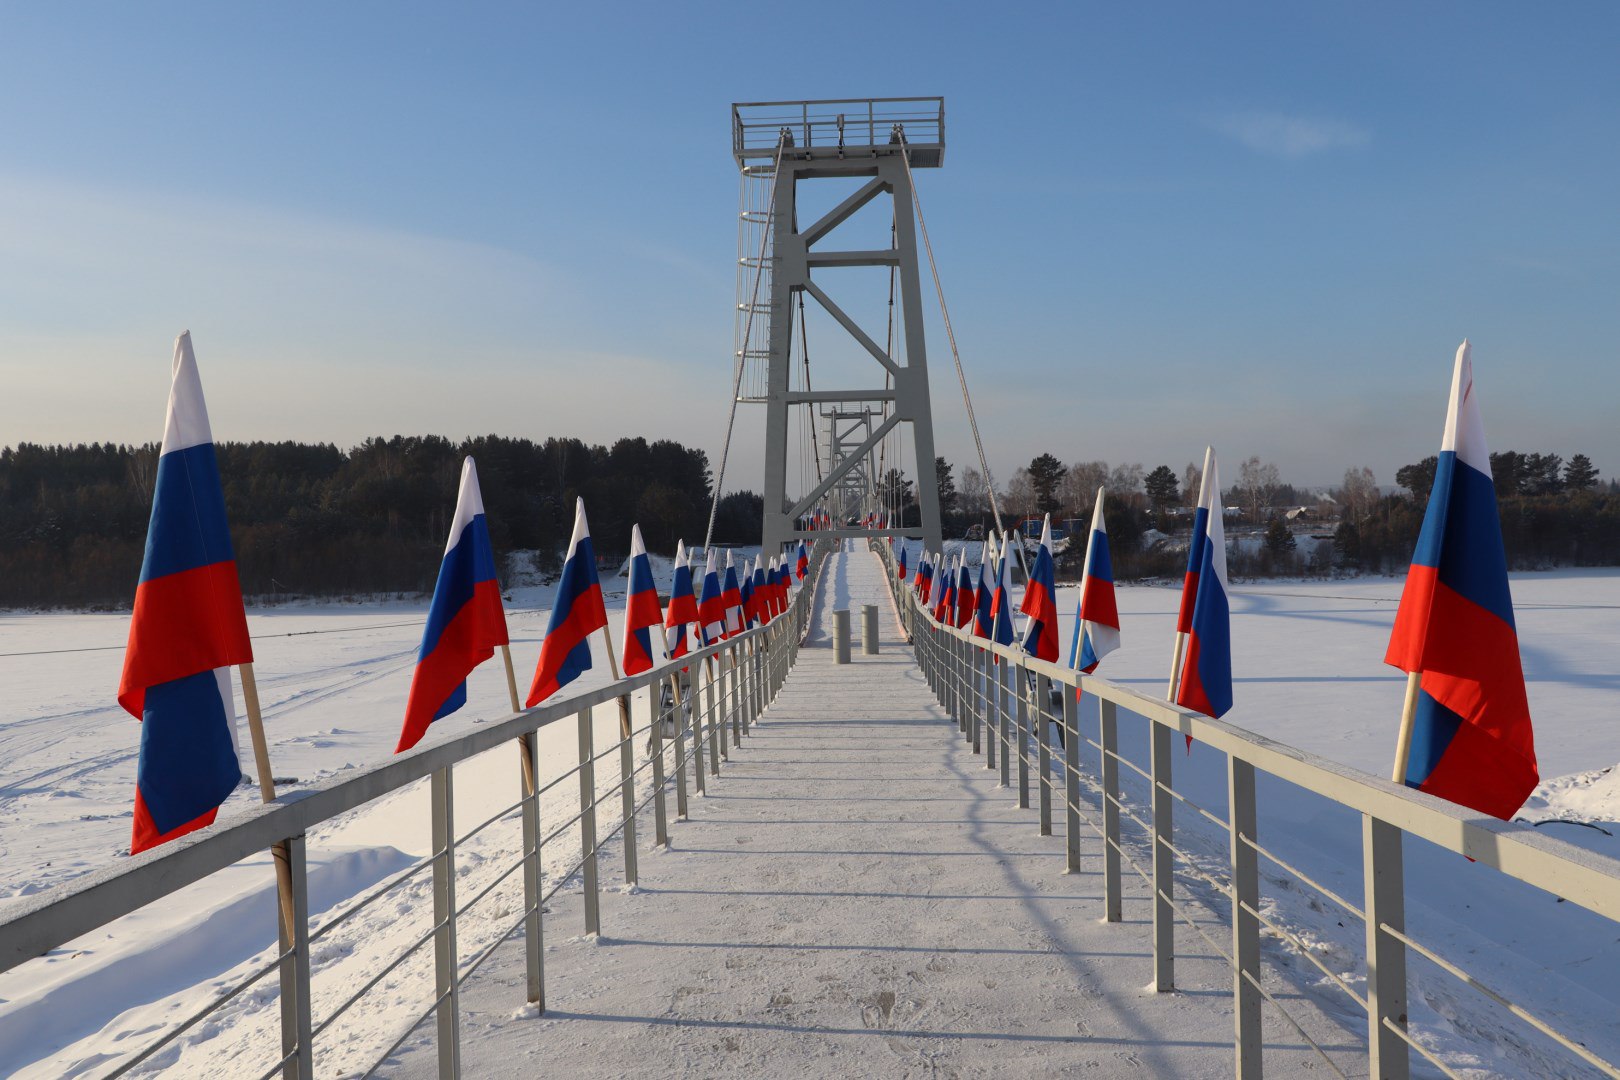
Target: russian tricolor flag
[[641, 610], [802, 565], [1040, 602], [1096, 627], [1001, 625], [731, 592], [188, 628], [900, 565], [984, 595], [1195, 548], [576, 614], [1471, 738], [945, 586], [1206, 673], [465, 623], [683, 605], [965, 601], [711, 605], [925, 575], [762, 593]]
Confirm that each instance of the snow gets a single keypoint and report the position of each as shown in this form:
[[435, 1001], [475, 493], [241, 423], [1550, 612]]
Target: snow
[[333, 677]]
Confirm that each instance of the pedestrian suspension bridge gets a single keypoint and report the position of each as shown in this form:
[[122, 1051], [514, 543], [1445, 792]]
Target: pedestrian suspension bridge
[[851, 841]]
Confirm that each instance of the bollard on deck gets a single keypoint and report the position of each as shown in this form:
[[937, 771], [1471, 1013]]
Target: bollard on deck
[[869, 630], [841, 636]]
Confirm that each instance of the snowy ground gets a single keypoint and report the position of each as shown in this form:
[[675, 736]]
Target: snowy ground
[[1307, 659]]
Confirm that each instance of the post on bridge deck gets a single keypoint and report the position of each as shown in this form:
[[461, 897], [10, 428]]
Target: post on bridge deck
[[1021, 717], [1004, 677], [1113, 892], [1245, 863], [869, 630], [533, 931], [1384, 899], [587, 823], [627, 795], [446, 965], [655, 750], [841, 636], [1043, 739], [1071, 780], [1164, 878], [297, 1026]]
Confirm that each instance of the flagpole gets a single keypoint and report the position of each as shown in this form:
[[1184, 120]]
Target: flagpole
[[517, 707], [1175, 667], [267, 792], [624, 699], [1403, 743]]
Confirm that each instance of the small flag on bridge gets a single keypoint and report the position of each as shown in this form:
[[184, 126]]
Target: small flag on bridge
[[711, 605], [683, 606], [465, 623], [1469, 724], [731, 592], [1206, 673], [984, 595], [1040, 601], [802, 563], [1001, 624], [899, 566], [188, 628], [641, 610], [576, 614], [1096, 624]]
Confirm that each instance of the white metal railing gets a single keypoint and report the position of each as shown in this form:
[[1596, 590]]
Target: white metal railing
[[1002, 702], [725, 689]]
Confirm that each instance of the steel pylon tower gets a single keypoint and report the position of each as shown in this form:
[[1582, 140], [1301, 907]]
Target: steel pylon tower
[[796, 142]]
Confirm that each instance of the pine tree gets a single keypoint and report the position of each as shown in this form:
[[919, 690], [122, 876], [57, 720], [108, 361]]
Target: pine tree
[[1580, 474]]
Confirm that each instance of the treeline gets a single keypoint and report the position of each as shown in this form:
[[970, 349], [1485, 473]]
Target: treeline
[[316, 520], [1552, 511]]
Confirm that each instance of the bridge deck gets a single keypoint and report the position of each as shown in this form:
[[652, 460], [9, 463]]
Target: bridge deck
[[855, 896]]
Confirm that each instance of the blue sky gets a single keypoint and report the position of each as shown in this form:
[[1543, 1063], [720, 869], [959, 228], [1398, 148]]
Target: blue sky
[[1266, 226]]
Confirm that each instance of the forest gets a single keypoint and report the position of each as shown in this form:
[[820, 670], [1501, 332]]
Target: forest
[[315, 520]]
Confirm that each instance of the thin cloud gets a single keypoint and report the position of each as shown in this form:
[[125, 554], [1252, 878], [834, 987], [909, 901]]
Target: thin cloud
[[1281, 135]]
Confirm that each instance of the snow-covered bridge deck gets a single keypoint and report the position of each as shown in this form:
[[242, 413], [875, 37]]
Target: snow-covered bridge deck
[[855, 896]]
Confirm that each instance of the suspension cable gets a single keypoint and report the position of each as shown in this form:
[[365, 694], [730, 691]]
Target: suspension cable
[[950, 334], [748, 330]]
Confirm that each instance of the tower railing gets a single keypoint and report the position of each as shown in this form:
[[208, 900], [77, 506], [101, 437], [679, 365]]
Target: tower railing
[[1005, 703], [724, 690], [866, 123]]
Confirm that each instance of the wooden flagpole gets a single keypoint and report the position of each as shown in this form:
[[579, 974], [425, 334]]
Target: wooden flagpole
[[1175, 667], [517, 707], [267, 793], [1403, 743], [624, 699]]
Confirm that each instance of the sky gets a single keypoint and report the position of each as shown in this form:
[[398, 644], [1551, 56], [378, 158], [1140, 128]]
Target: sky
[[1262, 226]]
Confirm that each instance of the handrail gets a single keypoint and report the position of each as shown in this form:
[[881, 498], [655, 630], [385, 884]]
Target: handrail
[[956, 662], [734, 694]]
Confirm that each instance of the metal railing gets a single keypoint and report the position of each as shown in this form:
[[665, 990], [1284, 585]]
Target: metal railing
[[757, 126], [724, 689], [1002, 703]]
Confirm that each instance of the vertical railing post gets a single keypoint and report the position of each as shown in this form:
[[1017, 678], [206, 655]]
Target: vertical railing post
[[655, 748], [445, 963], [992, 708], [736, 700], [1384, 895], [695, 704], [1043, 740], [296, 1025], [627, 794], [1021, 717], [680, 710], [1071, 779], [977, 668], [1004, 675], [1245, 925], [533, 931], [1164, 880], [587, 823], [714, 699], [1108, 730]]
